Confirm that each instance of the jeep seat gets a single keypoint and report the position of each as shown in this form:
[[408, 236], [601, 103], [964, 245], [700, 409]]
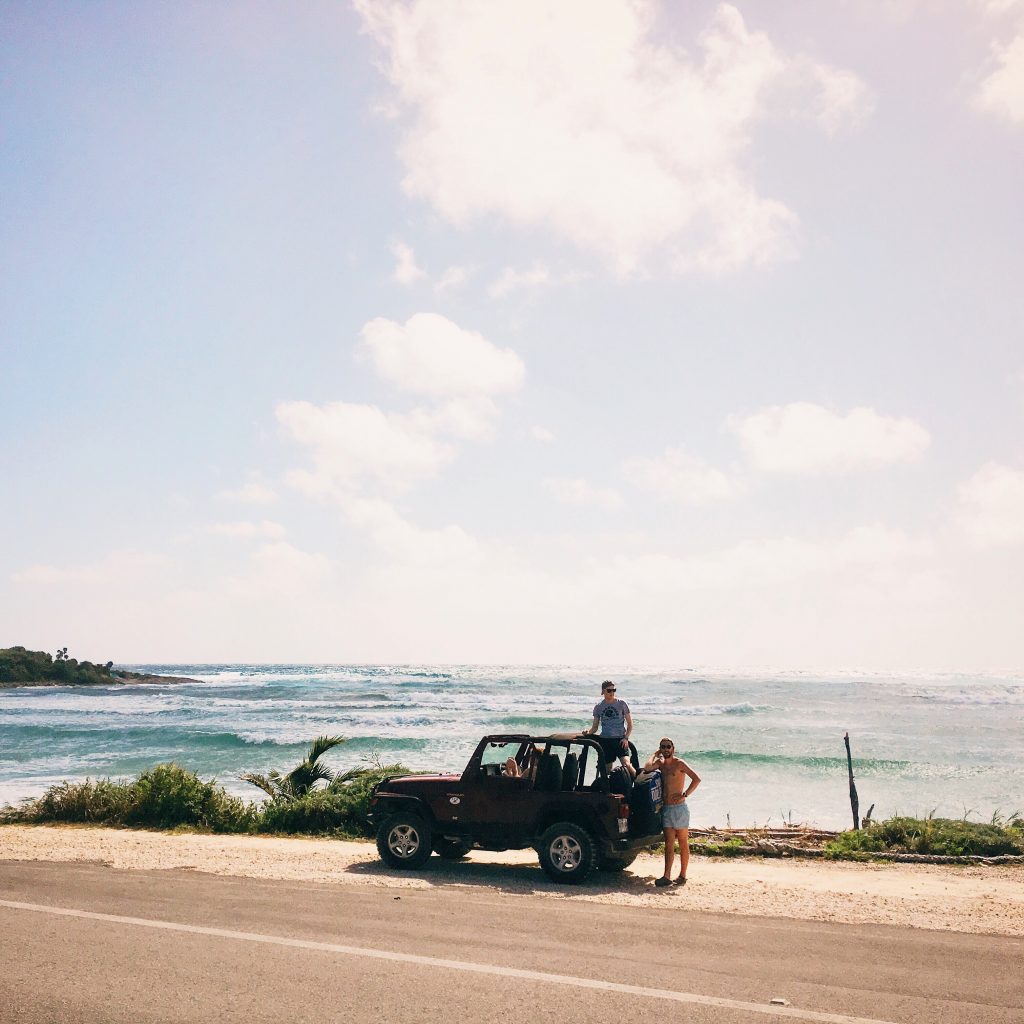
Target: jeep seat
[[549, 774], [570, 772]]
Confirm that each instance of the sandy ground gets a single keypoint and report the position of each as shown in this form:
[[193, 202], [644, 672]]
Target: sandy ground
[[950, 898]]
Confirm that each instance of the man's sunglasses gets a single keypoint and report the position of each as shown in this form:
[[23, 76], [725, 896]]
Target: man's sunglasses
[[609, 689]]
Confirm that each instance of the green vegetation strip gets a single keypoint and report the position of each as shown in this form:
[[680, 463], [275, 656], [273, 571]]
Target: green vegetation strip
[[169, 796], [939, 840]]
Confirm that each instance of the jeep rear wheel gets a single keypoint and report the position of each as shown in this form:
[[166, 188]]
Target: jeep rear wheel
[[403, 840], [567, 853], [616, 863], [451, 849]]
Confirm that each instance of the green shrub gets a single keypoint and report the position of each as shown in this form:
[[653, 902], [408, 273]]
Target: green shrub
[[730, 848], [164, 797], [340, 809], [934, 836], [168, 796], [99, 802], [317, 813]]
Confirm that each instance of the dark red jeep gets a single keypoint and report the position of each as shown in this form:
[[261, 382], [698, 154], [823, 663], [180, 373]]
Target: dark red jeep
[[552, 793]]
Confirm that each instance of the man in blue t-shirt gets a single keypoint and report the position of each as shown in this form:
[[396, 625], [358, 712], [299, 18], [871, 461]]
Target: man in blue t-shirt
[[612, 718]]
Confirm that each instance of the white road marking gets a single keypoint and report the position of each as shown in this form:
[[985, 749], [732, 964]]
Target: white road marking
[[454, 965]]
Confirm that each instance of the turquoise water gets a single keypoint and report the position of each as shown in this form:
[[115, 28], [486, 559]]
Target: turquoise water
[[769, 747]]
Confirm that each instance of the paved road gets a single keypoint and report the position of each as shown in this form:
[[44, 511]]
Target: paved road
[[143, 947]]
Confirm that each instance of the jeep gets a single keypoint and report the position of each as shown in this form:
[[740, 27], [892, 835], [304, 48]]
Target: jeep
[[553, 793]]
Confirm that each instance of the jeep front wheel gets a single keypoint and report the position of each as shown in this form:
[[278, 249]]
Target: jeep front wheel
[[403, 840], [567, 853]]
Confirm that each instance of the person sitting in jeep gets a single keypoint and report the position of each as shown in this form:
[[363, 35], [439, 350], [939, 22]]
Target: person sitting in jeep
[[528, 768]]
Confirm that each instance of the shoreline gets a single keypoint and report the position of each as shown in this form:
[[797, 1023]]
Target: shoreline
[[969, 899]]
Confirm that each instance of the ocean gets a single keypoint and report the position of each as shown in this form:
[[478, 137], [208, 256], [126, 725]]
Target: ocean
[[768, 746]]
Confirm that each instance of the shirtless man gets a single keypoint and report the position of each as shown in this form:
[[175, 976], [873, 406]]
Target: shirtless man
[[675, 818]]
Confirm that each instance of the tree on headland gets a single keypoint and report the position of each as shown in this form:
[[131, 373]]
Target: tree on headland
[[302, 778], [19, 667]]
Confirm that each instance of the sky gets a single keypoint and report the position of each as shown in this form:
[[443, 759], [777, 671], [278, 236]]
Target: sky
[[603, 332]]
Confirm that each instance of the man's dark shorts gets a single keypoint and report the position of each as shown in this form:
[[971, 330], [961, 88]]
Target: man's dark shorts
[[612, 747]]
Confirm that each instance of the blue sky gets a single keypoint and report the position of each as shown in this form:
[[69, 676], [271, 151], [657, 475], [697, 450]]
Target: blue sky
[[619, 332]]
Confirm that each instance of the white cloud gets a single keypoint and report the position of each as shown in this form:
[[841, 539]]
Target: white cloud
[[406, 270], [806, 439], [576, 491], [452, 278], [1002, 90], [407, 544], [542, 434], [252, 493], [510, 280], [430, 355], [680, 477], [355, 444], [121, 568], [535, 277], [841, 97], [773, 561], [245, 530], [470, 417], [577, 118], [992, 506], [1000, 6], [351, 442], [283, 568]]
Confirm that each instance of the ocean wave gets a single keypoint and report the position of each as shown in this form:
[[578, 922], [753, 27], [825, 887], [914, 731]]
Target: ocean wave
[[890, 768], [537, 724], [702, 710], [795, 760], [1011, 696], [159, 738]]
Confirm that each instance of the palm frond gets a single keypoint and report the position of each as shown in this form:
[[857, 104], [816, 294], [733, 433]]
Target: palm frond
[[261, 781], [301, 779], [321, 745], [349, 776]]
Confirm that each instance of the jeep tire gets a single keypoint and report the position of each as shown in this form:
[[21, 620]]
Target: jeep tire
[[404, 840], [451, 849], [617, 863], [567, 852]]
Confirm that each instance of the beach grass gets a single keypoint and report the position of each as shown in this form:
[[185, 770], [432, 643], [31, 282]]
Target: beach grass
[[169, 796], [931, 836], [166, 796]]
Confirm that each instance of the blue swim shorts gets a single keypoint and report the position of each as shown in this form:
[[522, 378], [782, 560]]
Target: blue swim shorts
[[676, 816]]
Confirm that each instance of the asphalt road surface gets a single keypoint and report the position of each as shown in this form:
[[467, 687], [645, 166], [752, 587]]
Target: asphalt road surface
[[85, 943]]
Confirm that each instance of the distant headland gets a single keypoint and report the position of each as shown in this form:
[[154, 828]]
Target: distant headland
[[21, 667]]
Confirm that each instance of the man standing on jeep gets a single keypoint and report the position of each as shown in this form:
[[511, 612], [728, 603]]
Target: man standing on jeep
[[678, 780], [615, 722]]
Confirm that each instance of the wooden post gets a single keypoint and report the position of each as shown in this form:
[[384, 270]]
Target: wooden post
[[854, 802]]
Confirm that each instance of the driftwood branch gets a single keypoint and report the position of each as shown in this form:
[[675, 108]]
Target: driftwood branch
[[854, 802]]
